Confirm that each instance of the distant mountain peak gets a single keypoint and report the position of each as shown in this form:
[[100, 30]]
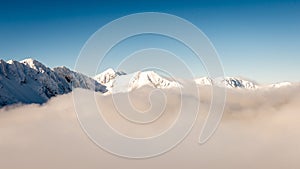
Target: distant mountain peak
[[118, 81], [10, 61], [151, 78], [227, 82], [30, 61], [34, 64], [204, 81], [234, 82], [106, 78]]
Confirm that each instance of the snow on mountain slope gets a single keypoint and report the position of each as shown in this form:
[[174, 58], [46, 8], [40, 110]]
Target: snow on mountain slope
[[78, 80], [34, 64], [29, 81], [17, 84], [228, 82], [151, 78], [121, 82], [108, 77], [232, 82], [204, 81]]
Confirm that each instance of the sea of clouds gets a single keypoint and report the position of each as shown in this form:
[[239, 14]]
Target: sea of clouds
[[260, 129]]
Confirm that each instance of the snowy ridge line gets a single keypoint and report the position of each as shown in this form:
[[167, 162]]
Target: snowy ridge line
[[119, 82], [238, 83], [30, 81]]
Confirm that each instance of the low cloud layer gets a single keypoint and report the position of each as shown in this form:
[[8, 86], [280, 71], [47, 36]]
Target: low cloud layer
[[259, 129]]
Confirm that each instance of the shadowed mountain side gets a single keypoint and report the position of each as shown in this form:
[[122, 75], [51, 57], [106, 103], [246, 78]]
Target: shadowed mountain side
[[29, 81]]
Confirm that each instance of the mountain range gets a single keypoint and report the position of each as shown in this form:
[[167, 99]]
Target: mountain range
[[29, 81]]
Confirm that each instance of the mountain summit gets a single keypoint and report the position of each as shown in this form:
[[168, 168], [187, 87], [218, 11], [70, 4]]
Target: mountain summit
[[227, 82], [117, 82]]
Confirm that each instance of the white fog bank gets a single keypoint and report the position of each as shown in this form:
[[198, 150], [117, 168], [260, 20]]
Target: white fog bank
[[259, 129]]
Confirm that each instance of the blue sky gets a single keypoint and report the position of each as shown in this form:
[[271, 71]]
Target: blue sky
[[259, 40]]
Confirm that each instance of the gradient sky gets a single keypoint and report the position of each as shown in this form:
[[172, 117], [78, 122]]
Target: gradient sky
[[259, 40]]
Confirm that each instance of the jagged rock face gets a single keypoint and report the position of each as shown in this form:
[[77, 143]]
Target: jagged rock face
[[230, 82], [51, 83], [29, 81], [78, 80]]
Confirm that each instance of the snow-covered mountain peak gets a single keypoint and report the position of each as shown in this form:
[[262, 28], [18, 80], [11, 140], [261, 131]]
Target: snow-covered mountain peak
[[109, 71], [34, 64], [117, 82], [106, 78], [205, 81], [233, 82], [151, 78], [9, 61], [227, 82], [29, 61]]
